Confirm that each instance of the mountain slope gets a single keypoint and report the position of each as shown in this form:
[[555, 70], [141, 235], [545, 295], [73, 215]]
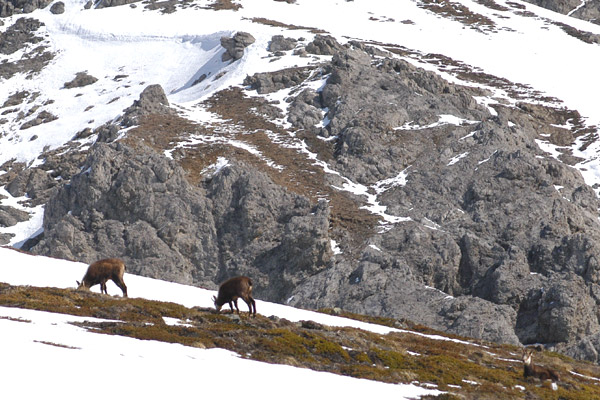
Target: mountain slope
[[432, 161], [79, 335], [72, 348]]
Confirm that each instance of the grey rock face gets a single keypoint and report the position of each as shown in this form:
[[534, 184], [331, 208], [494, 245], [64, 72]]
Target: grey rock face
[[31, 183], [474, 317], [139, 206], [560, 6], [265, 231], [235, 45], [305, 110], [503, 262], [383, 98], [42, 118], [152, 101]]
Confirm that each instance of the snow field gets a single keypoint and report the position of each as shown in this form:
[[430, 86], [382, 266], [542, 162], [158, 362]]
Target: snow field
[[45, 355]]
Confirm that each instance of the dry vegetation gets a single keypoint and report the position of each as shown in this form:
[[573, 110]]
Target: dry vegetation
[[464, 369], [456, 11], [277, 24]]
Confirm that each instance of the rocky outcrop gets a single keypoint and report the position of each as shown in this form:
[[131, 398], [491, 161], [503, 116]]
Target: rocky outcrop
[[265, 83], [19, 36], [136, 205], [235, 45], [152, 101], [588, 10], [482, 254], [81, 79], [324, 45], [140, 206], [280, 43], [10, 7], [113, 3], [10, 216]]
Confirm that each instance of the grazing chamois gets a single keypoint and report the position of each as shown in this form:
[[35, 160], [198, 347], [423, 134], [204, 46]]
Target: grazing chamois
[[537, 371], [101, 271], [231, 290]]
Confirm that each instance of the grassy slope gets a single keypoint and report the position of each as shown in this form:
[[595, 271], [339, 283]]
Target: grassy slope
[[396, 357]]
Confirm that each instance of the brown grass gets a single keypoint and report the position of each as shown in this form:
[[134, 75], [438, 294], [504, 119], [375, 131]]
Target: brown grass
[[277, 24], [469, 371], [460, 13]]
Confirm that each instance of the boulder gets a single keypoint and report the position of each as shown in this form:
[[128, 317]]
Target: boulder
[[280, 43], [324, 45], [57, 8], [234, 46], [81, 79]]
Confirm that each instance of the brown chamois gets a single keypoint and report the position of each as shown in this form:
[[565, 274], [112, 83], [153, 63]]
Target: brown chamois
[[231, 290], [101, 271], [537, 371]]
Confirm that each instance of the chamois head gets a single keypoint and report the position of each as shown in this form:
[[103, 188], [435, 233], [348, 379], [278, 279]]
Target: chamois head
[[217, 306]]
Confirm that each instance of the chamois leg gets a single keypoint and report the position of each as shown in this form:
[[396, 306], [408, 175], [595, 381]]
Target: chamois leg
[[236, 305], [231, 306], [250, 302], [253, 305], [121, 284], [103, 287]]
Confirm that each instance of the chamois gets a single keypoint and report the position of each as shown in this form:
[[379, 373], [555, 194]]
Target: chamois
[[101, 271], [231, 290], [536, 371]]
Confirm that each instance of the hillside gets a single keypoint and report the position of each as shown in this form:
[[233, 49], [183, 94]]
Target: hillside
[[356, 355], [427, 161]]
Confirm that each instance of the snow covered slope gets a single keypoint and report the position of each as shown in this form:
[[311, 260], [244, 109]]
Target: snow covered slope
[[127, 48], [45, 355]]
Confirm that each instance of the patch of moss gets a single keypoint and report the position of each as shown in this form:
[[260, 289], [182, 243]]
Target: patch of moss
[[361, 357], [330, 350], [389, 359], [368, 372], [287, 343]]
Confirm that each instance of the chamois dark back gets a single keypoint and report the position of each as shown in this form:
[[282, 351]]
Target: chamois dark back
[[101, 271], [537, 371], [231, 290]]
